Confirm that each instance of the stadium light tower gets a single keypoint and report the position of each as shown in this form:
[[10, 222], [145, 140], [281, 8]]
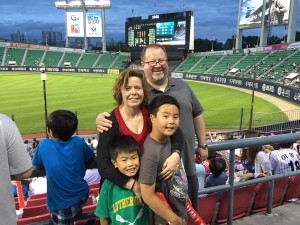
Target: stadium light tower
[[76, 29]]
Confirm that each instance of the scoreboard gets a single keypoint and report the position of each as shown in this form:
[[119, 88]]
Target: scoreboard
[[172, 30]]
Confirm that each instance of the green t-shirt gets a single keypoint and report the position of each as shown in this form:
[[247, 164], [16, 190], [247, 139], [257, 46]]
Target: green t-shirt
[[121, 206]]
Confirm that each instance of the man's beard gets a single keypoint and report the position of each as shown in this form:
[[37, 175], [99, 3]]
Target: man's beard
[[159, 81]]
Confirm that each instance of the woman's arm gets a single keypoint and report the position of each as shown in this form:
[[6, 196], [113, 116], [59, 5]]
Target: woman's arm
[[105, 166]]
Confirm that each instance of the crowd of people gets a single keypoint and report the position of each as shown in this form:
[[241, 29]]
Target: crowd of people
[[144, 157], [250, 162]]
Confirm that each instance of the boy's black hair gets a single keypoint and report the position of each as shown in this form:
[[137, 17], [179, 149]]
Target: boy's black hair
[[217, 166], [162, 100], [285, 145], [62, 123], [124, 144]]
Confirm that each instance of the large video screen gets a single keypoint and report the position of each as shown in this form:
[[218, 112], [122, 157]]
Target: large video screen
[[170, 30], [276, 13], [251, 14]]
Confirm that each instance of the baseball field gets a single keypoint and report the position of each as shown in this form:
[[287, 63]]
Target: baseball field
[[22, 97]]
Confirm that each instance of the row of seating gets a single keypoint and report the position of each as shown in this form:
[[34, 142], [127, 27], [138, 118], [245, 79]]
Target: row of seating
[[34, 57], [213, 209], [247, 200], [36, 210]]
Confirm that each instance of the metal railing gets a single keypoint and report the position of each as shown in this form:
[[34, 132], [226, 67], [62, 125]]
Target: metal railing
[[248, 142]]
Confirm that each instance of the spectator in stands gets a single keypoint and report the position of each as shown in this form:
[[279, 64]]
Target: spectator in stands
[[35, 143], [224, 153], [284, 159], [200, 172], [255, 159], [217, 174], [155, 65], [92, 174], [89, 142], [65, 159], [15, 164], [130, 117], [94, 143], [124, 154], [24, 185], [28, 148], [296, 145]]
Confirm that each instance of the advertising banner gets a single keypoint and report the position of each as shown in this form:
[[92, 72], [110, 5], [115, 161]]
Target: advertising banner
[[277, 90], [93, 24], [75, 24]]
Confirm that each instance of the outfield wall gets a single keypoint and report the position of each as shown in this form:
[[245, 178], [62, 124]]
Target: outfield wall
[[60, 69], [277, 90]]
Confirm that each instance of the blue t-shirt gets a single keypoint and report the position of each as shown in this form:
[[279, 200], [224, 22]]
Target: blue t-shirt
[[215, 180], [64, 163]]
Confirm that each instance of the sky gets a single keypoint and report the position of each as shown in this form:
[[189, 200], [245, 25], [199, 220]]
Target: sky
[[214, 19]]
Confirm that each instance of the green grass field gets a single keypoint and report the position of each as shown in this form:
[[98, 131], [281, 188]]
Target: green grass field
[[21, 95]]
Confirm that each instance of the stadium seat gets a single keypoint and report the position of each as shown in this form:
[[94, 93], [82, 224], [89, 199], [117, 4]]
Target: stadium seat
[[36, 196], [261, 194], [90, 205], [16, 199], [89, 208], [94, 185], [89, 221], [94, 191], [36, 202], [208, 207], [34, 219], [293, 189], [241, 202], [17, 205], [34, 211]]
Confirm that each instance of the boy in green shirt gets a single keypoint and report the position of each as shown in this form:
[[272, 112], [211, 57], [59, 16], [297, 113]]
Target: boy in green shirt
[[117, 205]]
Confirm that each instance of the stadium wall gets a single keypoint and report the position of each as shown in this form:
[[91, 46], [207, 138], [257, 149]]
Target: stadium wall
[[277, 90], [60, 69]]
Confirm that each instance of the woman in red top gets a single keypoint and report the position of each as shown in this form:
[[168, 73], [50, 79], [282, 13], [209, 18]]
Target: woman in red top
[[130, 117]]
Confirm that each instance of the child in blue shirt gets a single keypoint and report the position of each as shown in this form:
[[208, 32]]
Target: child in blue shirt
[[217, 174], [64, 159]]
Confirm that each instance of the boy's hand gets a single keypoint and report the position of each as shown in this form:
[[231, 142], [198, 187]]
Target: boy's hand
[[137, 191], [103, 124], [178, 221], [169, 166]]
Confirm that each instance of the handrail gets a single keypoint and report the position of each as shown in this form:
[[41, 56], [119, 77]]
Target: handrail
[[248, 142]]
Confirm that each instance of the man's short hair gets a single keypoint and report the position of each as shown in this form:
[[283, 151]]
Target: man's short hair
[[143, 53]]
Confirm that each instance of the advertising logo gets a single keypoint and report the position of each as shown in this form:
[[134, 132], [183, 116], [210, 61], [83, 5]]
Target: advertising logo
[[75, 28]]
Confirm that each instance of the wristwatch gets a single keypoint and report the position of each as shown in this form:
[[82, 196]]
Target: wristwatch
[[203, 146]]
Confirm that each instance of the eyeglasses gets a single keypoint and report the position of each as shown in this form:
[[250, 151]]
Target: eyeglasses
[[160, 62]]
